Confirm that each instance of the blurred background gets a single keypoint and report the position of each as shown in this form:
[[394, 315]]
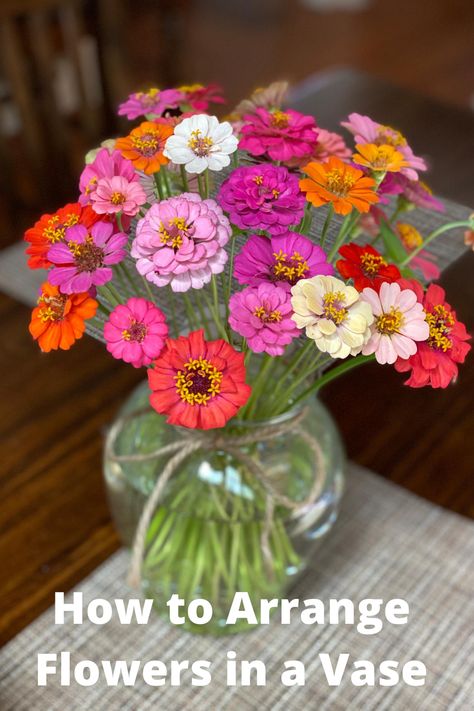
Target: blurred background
[[66, 64]]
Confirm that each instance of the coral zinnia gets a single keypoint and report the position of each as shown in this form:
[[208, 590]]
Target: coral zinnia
[[87, 258], [51, 229], [262, 197], [399, 323], [436, 361], [135, 332], [282, 135], [379, 159], [333, 314], [198, 384], [284, 260], [365, 266], [262, 315], [58, 320], [340, 184], [180, 242], [144, 145]]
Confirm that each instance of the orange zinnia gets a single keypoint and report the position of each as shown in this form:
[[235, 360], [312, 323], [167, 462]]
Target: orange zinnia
[[58, 320], [340, 184], [384, 158], [50, 229], [144, 146]]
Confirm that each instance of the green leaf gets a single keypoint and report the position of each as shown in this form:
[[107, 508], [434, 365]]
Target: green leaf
[[392, 243]]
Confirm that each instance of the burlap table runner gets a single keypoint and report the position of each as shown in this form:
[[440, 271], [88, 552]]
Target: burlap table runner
[[387, 543]]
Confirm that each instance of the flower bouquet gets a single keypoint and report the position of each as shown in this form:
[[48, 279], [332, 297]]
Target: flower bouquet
[[244, 264]]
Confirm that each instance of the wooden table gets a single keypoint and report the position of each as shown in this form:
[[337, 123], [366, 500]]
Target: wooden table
[[55, 526]]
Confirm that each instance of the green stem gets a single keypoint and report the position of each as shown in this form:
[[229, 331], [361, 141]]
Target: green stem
[[184, 178], [432, 236], [159, 186], [345, 230], [148, 289], [327, 222], [259, 385]]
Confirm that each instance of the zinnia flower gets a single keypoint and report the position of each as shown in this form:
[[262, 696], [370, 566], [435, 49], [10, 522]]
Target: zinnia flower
[[419, 194], [379, 159], [198, 97], [86, 258], [152, 101], [365, 266], [268, 97], [436, 361], [332, 314], [262, 197], [330, 145], [340, 184], [58, 319], [398, 325], [145, 144], [105, 165], [117, 194], [51, 229], [365, 130], [180, 242], [424, 261], [198, 384], [283, 260], [262, 315], [281, 135], [200, 142], [135, 332]]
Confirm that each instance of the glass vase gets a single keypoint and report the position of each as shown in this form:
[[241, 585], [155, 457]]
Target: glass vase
[[213, 532]]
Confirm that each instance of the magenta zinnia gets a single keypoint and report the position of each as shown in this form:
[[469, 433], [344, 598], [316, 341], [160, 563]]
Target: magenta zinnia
[[135, 332], [281, 135]]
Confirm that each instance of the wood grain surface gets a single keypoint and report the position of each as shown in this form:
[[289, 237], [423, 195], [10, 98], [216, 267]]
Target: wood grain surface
[[54, 523]]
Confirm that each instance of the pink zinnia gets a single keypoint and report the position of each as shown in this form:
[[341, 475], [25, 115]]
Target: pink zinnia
[[436, 361], [262, 315], [399, 323], [105, 165], [153, 101], [117, 194], [282, 135], [283, 260], [181, 241], [198, 97], [330, 144], [262, 197], [85, 259], [365, 130], [419, 194], [136, 332]]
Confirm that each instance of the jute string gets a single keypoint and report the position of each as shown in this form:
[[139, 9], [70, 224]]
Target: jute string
[[187, 445]]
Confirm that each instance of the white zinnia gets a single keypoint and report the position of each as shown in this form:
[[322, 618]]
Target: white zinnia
[[332, 314], [201, 142]]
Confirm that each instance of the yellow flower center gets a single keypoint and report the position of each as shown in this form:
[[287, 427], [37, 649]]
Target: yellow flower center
[[409, 236], [390, 322], [135, 332], [339, 183], [172, 233], [258, 179], [190, 88], [53, 309], [280, 119], [334, 309], [390, 136], [117, 198], [440, 321], [90, 185], [56, 230], [198, 382], [87, 256], [148, 98], [199, 144], [147, 144], [267, 316], [289, 268], [371, 263]]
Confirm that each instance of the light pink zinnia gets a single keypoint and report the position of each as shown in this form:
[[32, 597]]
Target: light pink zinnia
[[105, 165], [136, 332], [282, 135], [181, 241], [117, 194], [262, 315], [86, 257], [365, 130], [330, 144], [399, 323]]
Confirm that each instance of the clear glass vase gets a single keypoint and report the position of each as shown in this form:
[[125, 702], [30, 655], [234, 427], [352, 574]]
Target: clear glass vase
[[206, 536]]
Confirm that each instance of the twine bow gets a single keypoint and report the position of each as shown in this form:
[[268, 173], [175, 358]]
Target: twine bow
[[187, 445]]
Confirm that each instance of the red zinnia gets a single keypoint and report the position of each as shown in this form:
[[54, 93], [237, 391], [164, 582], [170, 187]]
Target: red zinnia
[[51, 229], [198, 384], [435, 362], [365, 266]]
